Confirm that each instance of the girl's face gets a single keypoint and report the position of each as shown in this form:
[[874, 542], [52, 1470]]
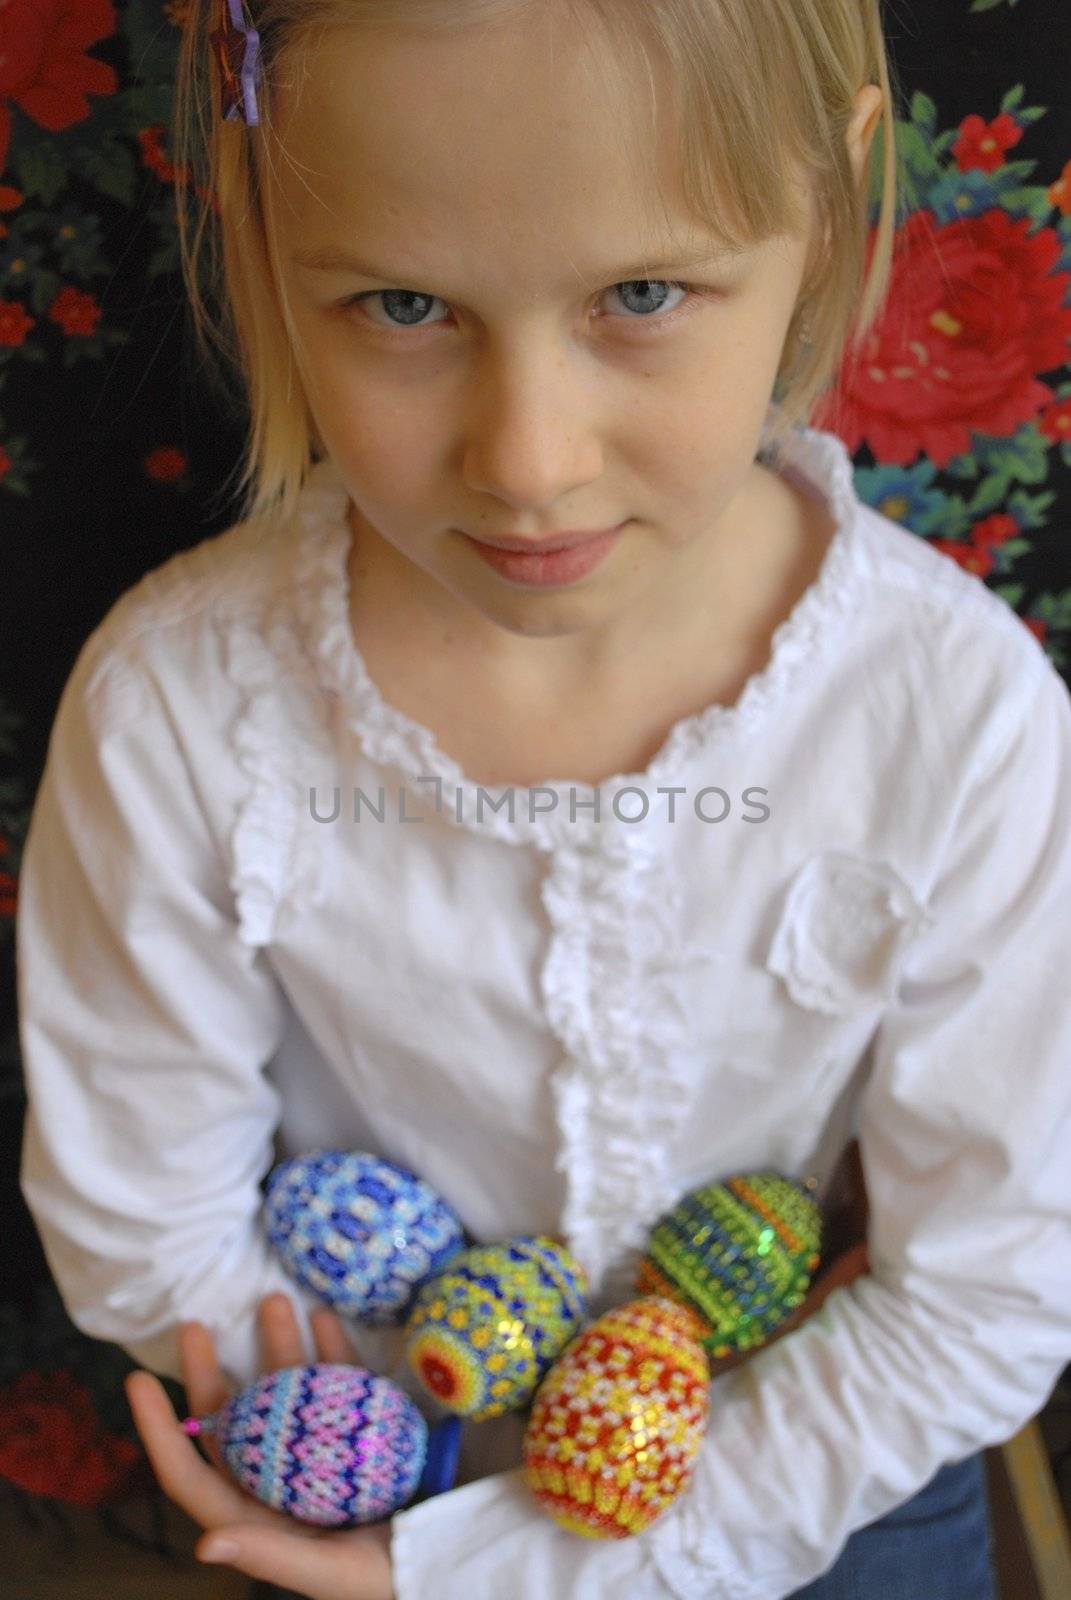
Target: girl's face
[[522, 379]]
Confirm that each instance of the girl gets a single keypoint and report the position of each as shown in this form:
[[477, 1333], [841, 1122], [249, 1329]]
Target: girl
[[734, 828]]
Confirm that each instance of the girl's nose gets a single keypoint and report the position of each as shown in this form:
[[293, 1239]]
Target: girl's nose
[[532, 431]]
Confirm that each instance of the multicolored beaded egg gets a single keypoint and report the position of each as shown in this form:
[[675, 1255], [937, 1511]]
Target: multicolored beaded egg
[[740, 1253], [328, 1443], [482, 1334], [359, 1231], [618, 1421]]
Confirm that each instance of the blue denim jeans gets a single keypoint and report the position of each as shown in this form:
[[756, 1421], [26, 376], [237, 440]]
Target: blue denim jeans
[[936, 1546]]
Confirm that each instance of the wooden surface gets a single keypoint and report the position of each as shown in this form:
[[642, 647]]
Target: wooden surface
[[1040, 1514], [1014, 1563]]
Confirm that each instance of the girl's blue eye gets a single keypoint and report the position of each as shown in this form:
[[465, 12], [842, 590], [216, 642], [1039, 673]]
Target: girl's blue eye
[[411, 304]]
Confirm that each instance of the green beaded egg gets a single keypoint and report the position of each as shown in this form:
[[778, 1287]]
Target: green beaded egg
[[741, 1253]]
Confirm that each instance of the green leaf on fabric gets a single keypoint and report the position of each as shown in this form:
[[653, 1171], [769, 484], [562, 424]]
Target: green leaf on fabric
[[1030, 510], [991, 494], [1022, 458], [146, 105], [924, 113], [1032, 202], [916, 152], [110, 167], [43, 290], [40, 170]]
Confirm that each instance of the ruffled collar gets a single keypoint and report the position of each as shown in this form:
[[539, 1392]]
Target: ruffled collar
[[318, 585]]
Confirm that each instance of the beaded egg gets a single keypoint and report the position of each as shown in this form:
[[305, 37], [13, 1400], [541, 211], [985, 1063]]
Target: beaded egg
[[740, 1253], [329, 1444], [359, 1231], [618, 1421], [481, 1335]]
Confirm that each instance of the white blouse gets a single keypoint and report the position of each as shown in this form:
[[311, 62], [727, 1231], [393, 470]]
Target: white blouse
[[836, 908]]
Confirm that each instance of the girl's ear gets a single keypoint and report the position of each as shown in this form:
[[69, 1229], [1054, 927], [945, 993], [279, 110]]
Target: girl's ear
[[863, 126]]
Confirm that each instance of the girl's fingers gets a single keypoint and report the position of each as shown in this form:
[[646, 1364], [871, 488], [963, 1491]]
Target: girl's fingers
[[198, 1488], [206, 1491], [202, 1379], [282, 1345], [332, 1341], [281, 1342], [354, 1567]]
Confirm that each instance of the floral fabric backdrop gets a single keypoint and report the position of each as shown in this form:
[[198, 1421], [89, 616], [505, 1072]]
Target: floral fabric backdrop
[[113, 452]]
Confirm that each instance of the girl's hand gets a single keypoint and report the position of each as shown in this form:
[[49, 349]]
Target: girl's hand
[[322, 1563]]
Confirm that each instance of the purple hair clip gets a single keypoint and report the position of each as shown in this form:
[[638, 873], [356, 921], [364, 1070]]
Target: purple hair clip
[[238, 53]]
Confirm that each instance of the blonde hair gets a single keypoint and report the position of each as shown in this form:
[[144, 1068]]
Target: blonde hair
[[766, 90]]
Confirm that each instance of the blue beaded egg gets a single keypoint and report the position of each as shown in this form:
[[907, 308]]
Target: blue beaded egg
[[359, 1231], [329, 1444]]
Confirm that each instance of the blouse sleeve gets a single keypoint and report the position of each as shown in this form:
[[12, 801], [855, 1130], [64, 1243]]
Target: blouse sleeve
[[145, 1025], [959, 1331]]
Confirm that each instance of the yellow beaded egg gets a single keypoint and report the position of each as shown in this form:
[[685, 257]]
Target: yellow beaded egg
[[618, 1421], [481, 1335]]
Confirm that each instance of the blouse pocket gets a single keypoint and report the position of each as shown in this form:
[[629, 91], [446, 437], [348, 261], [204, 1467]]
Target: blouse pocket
[[842, 933]]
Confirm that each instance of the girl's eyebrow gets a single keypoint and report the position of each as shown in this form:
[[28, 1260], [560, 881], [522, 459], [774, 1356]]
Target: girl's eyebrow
[[328, 258]]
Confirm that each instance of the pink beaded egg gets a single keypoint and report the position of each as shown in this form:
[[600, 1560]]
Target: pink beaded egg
[[328, 1443]]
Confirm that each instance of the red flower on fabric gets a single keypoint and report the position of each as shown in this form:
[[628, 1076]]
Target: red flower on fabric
[[8, 885], [14, 322], [983, 145], [43, 66], [974, 313], [995, 529], [154, 156], [972, 557], [165, 464], [1055, 421], [976, 553], [52, 1442], [10, 199], [75, 311]]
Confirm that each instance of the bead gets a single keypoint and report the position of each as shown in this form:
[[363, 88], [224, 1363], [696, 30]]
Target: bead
[[328, 1444], [360, 1232], [740, 1253], [616, 1424], [483, 1333]]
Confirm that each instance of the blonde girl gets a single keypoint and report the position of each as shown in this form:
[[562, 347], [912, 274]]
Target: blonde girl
[[559, 781]]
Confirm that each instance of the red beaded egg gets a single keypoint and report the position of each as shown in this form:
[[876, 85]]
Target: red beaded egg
[[618, 1421]]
